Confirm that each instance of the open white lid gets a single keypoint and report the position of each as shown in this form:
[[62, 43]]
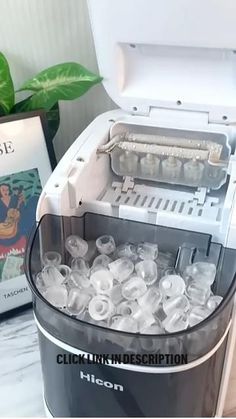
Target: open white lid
[[173, 54]]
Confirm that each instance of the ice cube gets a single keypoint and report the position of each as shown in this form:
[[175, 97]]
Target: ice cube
[[171, 285], [76, 246], [171, 168], [159, 314], [116, 295], [201, 272], [127, 308], [193, 171], [178, 302], [39, 282], [102, 281], [91, 291], [101, 262], [165, 264], [101, 307], [171, 345], [175, 321], [51, 276], [147, 269], [169, 271], [152, 344], [121, 268], [56, 295], [77, 301], [147, 250], [153, 329], [165, 260], [134, 288], [198, 292], [80, 265], [128, 161], [78, 280], [125, 324], [92, 251], [132, 346], [213, 302], [127, 250], [144, 318], [197, 314], [151, 299], [105, 244], [51, 258], [64, 270], [150, 165]]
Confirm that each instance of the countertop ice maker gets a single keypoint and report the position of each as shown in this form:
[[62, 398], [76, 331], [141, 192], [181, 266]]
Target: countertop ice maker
[[161, 168]]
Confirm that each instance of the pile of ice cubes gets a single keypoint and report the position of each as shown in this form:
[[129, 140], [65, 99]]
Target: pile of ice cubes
[[131, 288]]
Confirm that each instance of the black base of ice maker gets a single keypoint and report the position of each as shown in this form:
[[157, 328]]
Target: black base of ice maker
[[76, 390]]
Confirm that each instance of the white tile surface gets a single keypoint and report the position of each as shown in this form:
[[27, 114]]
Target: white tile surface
[[20, 371]]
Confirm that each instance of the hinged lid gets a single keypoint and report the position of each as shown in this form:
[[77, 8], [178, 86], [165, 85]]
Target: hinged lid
[[168, 54]]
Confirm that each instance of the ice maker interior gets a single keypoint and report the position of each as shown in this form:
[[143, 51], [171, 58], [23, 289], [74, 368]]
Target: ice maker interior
[[93, 181], [186, 246], [172, 156]]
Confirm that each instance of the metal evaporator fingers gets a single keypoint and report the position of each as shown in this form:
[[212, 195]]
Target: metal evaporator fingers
[[166, 146], [165, 150]]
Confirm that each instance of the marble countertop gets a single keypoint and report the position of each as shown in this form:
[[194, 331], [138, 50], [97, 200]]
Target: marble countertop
[[20, 371]]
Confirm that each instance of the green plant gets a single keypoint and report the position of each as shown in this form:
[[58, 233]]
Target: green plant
[[66, 81]]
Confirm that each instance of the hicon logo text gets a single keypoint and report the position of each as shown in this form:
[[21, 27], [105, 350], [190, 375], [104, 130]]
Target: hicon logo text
[[92, 379]]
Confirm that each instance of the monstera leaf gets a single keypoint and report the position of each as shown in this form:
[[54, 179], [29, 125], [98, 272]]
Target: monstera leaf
[[21, 106], [65, 81], [7, 95]]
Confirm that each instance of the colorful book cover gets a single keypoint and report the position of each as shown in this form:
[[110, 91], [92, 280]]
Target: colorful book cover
[[19, 193], [24, 169]]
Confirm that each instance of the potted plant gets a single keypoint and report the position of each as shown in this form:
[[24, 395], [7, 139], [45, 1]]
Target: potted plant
[[65, 81]]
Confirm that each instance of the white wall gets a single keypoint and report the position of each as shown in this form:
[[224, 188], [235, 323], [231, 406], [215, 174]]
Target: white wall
[[35, 34]]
